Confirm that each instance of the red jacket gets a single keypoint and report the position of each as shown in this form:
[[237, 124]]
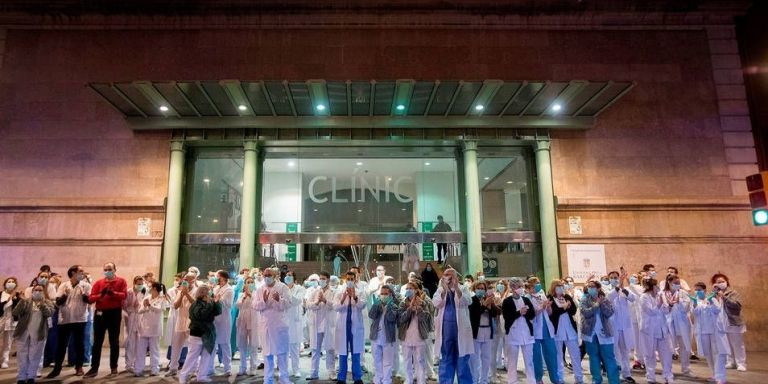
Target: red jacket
[[114, 293]]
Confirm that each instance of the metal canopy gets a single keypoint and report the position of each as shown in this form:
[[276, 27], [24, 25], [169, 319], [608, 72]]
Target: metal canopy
[[361, 104]]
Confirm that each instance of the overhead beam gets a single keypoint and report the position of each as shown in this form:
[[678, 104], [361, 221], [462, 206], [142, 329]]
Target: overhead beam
[[237, 97]]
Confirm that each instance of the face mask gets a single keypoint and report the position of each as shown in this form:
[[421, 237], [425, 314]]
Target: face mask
[[210, 293], [537, 288], [350, 284], [379, 274], [480, 293], [721, 286], [701, 295], [675, 287], [269, 280], [312, 284], [409, 293], [520, 291], [615, 282], [592, 291], [481, 278], [109, 274], [559, 290], [10, 286], [605, 283], [652, 274], [79, 277], [252, 287], [429, 269], [37, 295], [385, 299], [633, 280], [322, 283], [138, 287], [42, 280], [259, 277], [569, 286], [499, 287], [185, 284], [288, 279]]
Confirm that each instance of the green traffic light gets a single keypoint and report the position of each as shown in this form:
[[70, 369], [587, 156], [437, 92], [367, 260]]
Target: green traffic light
[[760, 216]]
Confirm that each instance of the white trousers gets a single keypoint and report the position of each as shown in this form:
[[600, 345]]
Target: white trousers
[[29, 354], [481, 362], [131, 340], [429, 360], [685, 354], [6, 338], [575, 354], [639, 342], [511, 353], [738, 353], [198, 358], [383, 356], [498, 350], [413, 359], [226, 356], [664, 348], [282, 366], [247, 347], [330, 356], [293, 358], [154, 354], [622, 354], [715, 358]]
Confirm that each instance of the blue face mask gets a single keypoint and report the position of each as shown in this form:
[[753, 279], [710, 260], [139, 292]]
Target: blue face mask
[[350, 284], [288, 279], [559, 290], [429, 269], [252, 287], [42, 280], [537, 288], [633, 280], [675, 287], [605, 283], [210, 293], [480, 293], [385, 299], [269, 280], [701, 295], [409, 293], [214, 280], [499, 287], [184, 283], [592, 292], [322, 283], [615, 282], [109, 274]]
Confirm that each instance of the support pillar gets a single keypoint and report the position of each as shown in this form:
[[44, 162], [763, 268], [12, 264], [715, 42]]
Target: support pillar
[[547, 212], [249, 220], [172, 234], [472, 202]]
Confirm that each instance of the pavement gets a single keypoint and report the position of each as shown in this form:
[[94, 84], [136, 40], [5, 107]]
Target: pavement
[[757, 373]]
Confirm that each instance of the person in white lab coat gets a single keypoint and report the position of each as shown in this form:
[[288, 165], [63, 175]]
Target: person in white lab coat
[[482, 314], [202, 335], [72, 301], [170, 324], [736, 327], [184, 298], [655, 331], [31, 331], [453, 332], [10, 296], [377, 281], [518, 315], [679, 323], [623, 333], [295, 318], [636, 288], [246, 329], [566, 331], [321, 325], [150, 328], [131, 307], [225, 295], [350, 330], [272, 301], [710, 330], [545, 347]]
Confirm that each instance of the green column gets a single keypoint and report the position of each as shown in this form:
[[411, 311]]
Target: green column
[[250, 222], [547, 212], [173, 213], [472, 203]]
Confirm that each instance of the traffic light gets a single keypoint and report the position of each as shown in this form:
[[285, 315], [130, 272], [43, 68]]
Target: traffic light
[[757, 186]]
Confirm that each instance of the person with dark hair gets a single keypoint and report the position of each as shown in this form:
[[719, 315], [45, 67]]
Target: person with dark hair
[[453, 332], [655, 331], [650, 270], [679, 323], [131, 307], [710, 331], [9, 298], [566, 332], [150, 327], [383, 334], [442, 248], [623, 304], [72, 300], [108, 294], [518, 314], [225, 296], [295, 317], [272, 302], [730, 302], [597, 333], [482, 312], [321, 326], [31, 331], [350, 330], [202, 335], [430, 279]]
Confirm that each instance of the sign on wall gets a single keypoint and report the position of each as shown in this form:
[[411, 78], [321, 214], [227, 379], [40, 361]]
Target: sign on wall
[[585, 260], [143, 226], [574, 225], [490, 267], [427, 249], [290, 254]]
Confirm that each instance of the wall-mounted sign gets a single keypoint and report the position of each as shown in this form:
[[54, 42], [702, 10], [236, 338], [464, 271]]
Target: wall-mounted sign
[[427, 249], [360, 189], [490, 267], [144, 224], [290, 254], [585, 260], [574, 225]]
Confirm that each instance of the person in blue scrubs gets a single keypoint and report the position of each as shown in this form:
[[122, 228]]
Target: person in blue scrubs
[[453, 332]]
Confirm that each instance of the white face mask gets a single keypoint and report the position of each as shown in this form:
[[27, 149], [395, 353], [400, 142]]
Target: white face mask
[[380, 274], [37, 295], [10, 286], [520, 291], [722, 286]]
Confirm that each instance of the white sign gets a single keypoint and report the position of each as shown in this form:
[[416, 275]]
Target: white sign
[[143, 226], [585, 260], [574, 225], [364, 186]]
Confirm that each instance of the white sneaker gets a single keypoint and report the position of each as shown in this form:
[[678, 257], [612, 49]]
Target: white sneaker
[[4, 366], [741, 368], [203, 380], [182, 379]]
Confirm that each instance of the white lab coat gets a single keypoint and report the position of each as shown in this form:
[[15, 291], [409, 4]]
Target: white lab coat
[[466, 340], [223, 322], [358, 327], [679, 322], [294, 314], [708, 322], [320, 317], [172, 313], [150, 318], [272, 325], [653, 321], [622, 316], [538, 301]]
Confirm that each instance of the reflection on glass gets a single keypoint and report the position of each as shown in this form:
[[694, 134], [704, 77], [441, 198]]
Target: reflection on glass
[[506, 194], [214, 194], [512, 259]]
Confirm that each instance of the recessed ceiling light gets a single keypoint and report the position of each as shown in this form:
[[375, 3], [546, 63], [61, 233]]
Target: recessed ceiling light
[[389, 179], [320, 107], [359, 210], [241, 183], [215, 220], [242, 107], [291, 163], [427, 163], [556, 107], [400, 107], [206, 180], [317, 227], [479, 107], [314, 210], [486, 178], [510, 182], [359, 163], [163, 108], [199, 216], [402, 209]]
